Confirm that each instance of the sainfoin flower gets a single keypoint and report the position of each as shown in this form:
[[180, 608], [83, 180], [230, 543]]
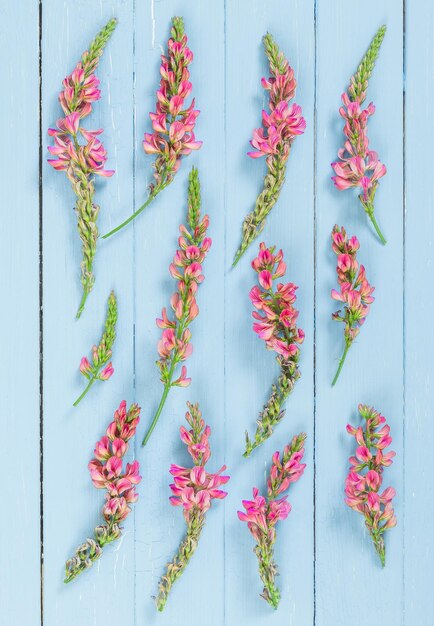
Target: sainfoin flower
[[275, 323], [101, 367], [364, 490], [174, 346], [355, 290], [193, 489], [79, 152], [274, 140], [174, 119], [107, 472], [358, 166], [263, 512]]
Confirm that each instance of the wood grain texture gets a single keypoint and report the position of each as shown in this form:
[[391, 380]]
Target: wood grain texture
[[419, 340], [250, 368], [373, 372], [329, 572], [19, 315], [70, 433]]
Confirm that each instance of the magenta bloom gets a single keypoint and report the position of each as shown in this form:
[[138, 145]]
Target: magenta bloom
[[78, 151], [262, 513], [107, 472], [174, 346], [273, 140], [174, 118], [193, 489], [358, 166], [363, 486], [355, 290], [276, 324]]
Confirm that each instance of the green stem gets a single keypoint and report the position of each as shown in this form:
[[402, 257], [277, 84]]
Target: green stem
[[134, 215], [238, 256], [341, 363], [162, 185], [158, 413], [377, 228], [89, 385], [379, 546], [86, 292]]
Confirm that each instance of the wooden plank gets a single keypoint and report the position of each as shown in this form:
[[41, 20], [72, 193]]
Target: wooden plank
[[160, 527], [348, 573], [72, 504], [250, 369], [19, 316], [419, 340]]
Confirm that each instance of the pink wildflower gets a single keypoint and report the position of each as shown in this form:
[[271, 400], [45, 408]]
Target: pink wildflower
[[276, 324], [101, 367], [107, 472], [174, 119], [174, 346], [355, 290], [193, 489], [263, 513], [358, 166], [363, 486], [280, 126], [79, 153]]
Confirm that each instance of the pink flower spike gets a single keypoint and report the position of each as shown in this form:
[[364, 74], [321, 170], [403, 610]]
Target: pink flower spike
[[355, 291], [106, 472], [281, 124], [174, 120], [262, 513], [79, 153], [276, 324], [193, 489], [364, 481], [102, 368], [175, 346], [358, 167]]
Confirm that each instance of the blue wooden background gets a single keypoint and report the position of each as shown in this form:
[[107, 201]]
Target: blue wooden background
[[329, 572]]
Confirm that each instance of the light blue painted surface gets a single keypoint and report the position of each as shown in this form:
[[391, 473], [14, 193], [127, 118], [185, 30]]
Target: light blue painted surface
[[329, 572]]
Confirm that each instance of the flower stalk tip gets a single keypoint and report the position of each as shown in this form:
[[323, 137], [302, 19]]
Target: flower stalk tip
[[355, 290], [193, 489], [174, 120], [276, 324], [101, 367], [79, 153], [273, 140], [363, 484], [106, 471], [263, 512], [358, 166], [174, 346]]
